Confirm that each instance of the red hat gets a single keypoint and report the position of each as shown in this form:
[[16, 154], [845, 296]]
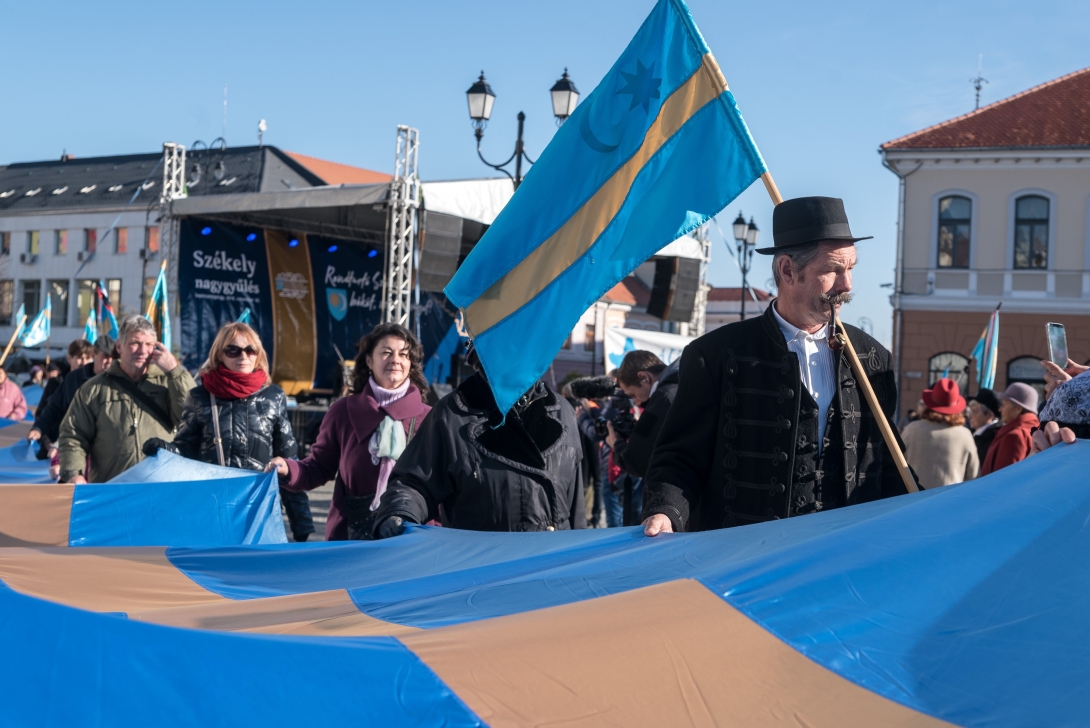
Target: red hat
[[944, 398]]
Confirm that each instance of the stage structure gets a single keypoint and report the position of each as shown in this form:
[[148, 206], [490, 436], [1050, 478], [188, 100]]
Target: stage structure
[[173, 189], [404, 203]]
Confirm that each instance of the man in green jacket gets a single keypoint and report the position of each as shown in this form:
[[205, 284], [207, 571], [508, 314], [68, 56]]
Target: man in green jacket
[[139, 397]]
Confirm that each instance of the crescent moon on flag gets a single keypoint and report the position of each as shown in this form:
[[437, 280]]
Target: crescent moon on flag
[[588, 134]]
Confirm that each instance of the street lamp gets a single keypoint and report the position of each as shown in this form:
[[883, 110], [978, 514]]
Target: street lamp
[[565, 97], [480, 98], [745, 238]]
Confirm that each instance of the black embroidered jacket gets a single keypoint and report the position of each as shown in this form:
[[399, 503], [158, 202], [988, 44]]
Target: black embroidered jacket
[[731, 451]]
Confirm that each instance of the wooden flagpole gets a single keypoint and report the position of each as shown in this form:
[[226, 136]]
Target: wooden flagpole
[[875, 408], [11, 343], [860, 374]]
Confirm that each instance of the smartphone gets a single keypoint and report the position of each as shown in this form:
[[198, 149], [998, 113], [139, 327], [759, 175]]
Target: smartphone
[[1057, 344]]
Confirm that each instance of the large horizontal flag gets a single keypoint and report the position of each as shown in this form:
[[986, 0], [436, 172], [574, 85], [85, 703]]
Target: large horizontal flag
[[158, 310], [657, 149], [166, 499], [856, 616], [38, 330]]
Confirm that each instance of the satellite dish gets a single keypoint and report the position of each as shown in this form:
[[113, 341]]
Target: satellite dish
[[262, 126]]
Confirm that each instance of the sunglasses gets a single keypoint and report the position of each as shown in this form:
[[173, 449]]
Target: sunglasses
[[234, 352]]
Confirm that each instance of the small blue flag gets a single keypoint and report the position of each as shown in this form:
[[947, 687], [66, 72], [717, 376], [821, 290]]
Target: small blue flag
[[158, 310], [244, 318], [109, 318], [656, 150], [38, 331], [90, 329]]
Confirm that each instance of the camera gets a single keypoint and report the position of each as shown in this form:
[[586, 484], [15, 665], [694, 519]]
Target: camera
[[619, 410]]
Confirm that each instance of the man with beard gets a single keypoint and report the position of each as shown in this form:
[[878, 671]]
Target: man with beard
[[769, 421]]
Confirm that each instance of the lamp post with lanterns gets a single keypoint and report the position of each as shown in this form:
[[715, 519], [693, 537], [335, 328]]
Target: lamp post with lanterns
[[480, 98], [745, 237]]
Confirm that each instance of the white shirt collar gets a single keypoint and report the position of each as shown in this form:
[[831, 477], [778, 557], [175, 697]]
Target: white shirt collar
[[790, 331]]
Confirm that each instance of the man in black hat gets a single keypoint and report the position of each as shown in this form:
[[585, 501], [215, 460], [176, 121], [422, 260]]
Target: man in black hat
[[768, 420]]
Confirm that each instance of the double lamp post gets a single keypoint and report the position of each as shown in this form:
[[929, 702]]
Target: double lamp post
[[481, 98], [745, 237]]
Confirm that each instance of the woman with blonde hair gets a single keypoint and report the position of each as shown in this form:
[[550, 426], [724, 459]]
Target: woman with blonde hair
[[938, 446], [237, 418]]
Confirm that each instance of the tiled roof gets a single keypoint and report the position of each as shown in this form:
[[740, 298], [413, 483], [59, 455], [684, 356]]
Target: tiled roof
[[109, 182], [1054, 114], [630, 291], [735, 294], [339, 174]]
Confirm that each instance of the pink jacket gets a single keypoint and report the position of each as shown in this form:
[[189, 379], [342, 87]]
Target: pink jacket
[[12, 402]]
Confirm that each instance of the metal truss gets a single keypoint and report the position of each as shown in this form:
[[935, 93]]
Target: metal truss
[[173, 189], [401, 227]]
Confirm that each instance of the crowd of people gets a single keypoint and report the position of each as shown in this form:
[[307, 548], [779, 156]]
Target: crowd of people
[[757, 421]]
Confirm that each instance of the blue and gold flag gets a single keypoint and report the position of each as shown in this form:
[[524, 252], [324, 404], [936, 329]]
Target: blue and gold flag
[[657, 149], [158, 310]]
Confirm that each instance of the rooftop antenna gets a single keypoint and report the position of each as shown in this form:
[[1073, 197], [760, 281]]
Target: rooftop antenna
[[262, 127], [977, 82], [224, 134]]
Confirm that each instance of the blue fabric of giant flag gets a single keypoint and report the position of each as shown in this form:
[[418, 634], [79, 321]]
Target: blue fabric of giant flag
[[657, 149], [961, 605]]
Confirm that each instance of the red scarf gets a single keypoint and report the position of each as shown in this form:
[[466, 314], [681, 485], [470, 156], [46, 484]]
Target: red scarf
[[226, 384]]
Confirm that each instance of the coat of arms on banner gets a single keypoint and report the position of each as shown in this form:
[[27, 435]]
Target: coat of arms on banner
[[292, 285], [337, 299]]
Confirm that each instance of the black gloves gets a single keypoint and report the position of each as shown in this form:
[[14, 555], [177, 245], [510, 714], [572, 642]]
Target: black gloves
[[392, 526], [153, 445]]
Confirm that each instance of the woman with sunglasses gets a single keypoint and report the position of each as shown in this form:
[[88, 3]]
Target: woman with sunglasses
[[364, 434], [236, 417]]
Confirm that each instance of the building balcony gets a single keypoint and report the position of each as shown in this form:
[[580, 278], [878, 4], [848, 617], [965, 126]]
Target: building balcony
[[1029, 291]]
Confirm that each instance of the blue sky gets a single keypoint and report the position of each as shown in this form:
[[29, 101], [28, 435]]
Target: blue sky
[[820, 84]]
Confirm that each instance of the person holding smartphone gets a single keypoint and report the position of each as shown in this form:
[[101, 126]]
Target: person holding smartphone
[[140, 396]]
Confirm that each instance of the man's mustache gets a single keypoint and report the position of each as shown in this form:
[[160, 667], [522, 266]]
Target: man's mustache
[[837, 299]]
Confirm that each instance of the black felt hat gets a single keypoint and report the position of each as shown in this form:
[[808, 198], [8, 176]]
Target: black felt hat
[[987, 398], [809, 220]]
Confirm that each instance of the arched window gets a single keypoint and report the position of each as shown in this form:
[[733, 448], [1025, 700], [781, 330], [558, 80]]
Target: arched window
[[955, 213], [1031, 232], [1027, 369], [951, 365]]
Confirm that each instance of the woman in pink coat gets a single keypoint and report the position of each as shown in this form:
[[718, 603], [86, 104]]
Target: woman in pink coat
[[12, 402], [364, 433]]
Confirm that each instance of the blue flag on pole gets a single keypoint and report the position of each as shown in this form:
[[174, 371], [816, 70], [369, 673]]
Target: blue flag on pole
[[657, 149], [158, 311], [244, 317], [20, 322], [109, 318], [986, 352], [38, 331], [90, 329]]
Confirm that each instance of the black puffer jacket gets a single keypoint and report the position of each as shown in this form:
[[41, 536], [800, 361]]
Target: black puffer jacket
[[522, 476], [254, 429]]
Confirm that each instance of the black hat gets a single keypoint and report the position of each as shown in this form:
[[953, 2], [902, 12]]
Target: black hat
[[809, 220], [987, 398]]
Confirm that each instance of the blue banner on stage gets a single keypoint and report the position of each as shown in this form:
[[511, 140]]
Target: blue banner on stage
[[224, 270]]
